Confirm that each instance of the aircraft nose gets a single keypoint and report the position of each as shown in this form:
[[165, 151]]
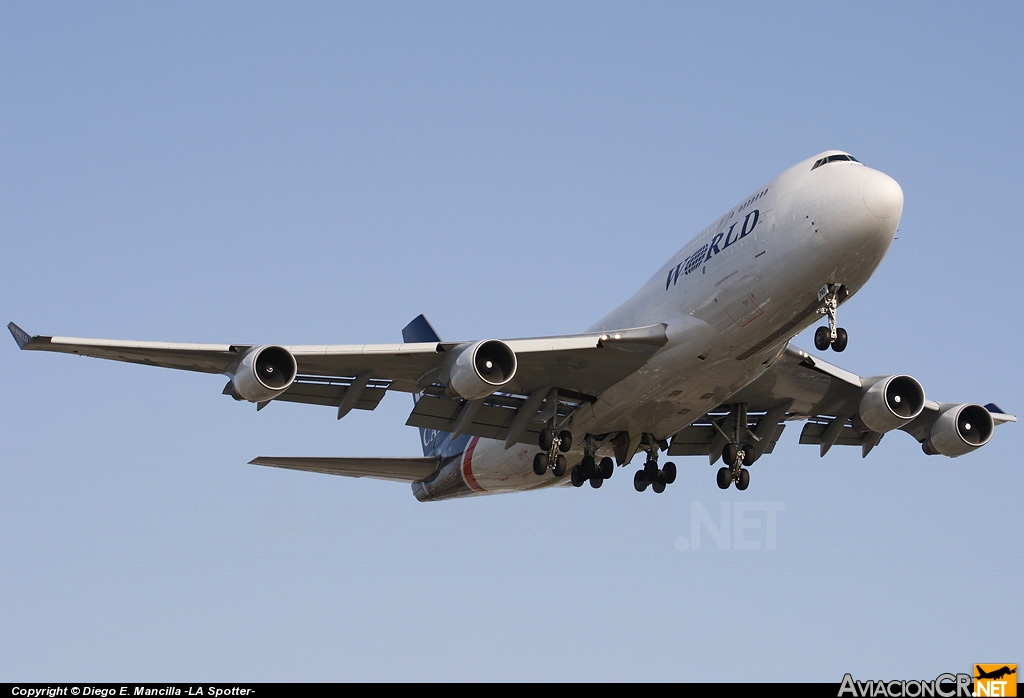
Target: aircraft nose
[[883, 196]]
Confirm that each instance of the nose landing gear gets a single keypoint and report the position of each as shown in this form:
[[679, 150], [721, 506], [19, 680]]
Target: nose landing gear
[[833, 336]]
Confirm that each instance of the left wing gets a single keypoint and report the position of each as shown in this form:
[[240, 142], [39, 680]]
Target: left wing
[[478, 388], [842, 408]]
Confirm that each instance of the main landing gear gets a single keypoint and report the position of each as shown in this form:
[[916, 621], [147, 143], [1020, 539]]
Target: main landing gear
[[592, 470], [552, 458], [833, 336], [736, 452], [734, 457], [652, 475]]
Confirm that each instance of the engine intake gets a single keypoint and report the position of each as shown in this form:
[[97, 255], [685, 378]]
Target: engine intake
[[890, 403], [264, 373], [481, 368], [959, 429]]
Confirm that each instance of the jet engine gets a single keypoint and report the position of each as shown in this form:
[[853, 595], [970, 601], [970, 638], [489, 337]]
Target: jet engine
[[480, 369], [890, 403], [959, 429], [263, 374]]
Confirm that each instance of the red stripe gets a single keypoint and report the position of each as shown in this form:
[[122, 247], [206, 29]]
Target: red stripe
[[467, 466]]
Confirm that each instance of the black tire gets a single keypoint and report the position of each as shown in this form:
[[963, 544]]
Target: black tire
[[748, 454], [540, 463], [596, 482], [743, 482], [607, 468], [587, 465], [545, 439], [576, 476], [668, 473], [658, 487], [729, 454], [724, 478], [822, 338], [842, 339], [639, 481], [564, 441], [560, 466]]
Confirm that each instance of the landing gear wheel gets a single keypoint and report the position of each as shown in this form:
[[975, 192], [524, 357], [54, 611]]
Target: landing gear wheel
[[658, 487], [576, 476], [823, 338], [842, 338], [564, 441], [560, 466], [639, 481], [743, 481], [540, 463], [724, 478], [596, 482], [730, 453], [546, 439], [607, 468], [748, 454], [668, 474]]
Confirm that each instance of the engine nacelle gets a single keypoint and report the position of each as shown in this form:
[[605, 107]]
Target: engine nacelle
[[890, 403], [480, 369], [264, 373], [959, 430]]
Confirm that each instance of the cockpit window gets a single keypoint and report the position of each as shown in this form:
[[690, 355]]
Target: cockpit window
[[839, 157]]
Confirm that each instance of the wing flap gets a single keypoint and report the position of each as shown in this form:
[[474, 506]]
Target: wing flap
[[698, 439], [331, 392], [395, 469], [491, 420]]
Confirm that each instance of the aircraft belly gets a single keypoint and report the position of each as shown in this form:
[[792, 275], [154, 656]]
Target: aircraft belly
[[490, 468]]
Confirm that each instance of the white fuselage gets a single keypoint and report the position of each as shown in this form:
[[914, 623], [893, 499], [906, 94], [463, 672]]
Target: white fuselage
[[731, 300]]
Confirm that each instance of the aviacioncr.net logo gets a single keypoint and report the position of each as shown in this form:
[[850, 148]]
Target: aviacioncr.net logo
[[944, 686]]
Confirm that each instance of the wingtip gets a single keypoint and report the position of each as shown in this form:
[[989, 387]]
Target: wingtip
[[20, 336]]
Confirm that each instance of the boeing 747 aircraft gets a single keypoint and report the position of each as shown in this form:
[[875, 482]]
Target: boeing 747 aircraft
[[697, 363]]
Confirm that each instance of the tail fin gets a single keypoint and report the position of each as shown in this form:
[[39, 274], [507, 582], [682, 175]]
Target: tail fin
[[419, 330]]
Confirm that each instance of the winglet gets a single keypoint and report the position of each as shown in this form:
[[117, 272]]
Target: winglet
[[998, 416], [20, 336]]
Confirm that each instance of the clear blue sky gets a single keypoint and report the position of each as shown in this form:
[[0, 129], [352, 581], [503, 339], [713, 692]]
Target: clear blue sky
[[322, 172]]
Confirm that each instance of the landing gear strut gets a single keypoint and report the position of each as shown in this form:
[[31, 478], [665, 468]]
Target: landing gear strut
[[651, 474], [833, 336]]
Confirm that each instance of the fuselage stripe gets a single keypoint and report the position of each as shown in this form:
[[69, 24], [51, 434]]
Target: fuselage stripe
[[467, 467]]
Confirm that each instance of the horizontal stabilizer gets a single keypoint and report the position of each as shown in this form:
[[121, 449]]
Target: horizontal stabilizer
[[398, 469]]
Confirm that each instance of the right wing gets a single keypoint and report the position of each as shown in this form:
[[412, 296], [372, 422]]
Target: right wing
[[553, 376]]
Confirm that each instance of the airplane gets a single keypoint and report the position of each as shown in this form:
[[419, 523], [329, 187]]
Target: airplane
[[996, 674], [698, 362]]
